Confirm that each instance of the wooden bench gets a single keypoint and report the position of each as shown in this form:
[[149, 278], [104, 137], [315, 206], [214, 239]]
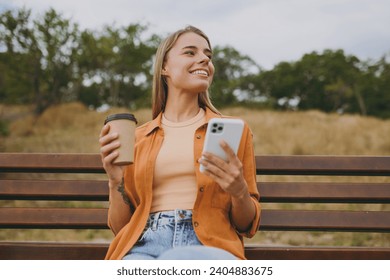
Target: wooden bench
[[281, 197]]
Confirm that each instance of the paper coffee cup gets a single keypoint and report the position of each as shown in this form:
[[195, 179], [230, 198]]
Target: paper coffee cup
[[124, 124]]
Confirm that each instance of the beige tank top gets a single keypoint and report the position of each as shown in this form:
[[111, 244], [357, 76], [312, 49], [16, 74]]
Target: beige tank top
[[174, 185]]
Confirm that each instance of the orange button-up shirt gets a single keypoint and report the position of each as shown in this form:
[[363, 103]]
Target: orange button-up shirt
[[211, 212]]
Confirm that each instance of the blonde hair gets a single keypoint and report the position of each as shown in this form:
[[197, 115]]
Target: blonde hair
[[160, 88]]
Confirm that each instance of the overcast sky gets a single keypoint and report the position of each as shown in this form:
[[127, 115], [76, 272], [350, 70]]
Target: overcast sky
[[269, 31]]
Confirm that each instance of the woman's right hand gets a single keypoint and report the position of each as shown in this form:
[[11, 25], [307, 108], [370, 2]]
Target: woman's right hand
[[109, 142]]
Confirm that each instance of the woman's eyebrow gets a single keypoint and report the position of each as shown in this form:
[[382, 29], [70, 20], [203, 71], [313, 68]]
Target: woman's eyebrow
[[195, 48]]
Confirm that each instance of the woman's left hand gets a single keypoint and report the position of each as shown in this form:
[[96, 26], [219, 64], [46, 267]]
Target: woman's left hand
[[227, 174]]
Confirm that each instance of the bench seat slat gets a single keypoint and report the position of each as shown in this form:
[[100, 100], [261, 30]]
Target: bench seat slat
[[84, 190], [96, 251], [55, 218], [289, 192], [316, 253], [52, 251]]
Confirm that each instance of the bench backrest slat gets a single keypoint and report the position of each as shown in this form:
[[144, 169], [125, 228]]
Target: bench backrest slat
[[330, 192], [297, 220], [77, 190], [271, 165], [50, 163], [323, 165], [332, 220], [283, 202], [59, 218], [287, 192]]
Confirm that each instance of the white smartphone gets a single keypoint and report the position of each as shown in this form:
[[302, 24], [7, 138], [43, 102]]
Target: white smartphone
[[229, 130]]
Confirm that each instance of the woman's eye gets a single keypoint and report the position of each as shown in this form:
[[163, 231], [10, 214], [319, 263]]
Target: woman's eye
[[190, 52]]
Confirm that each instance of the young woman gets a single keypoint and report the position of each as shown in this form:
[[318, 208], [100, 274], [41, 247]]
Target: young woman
[[162, 206]]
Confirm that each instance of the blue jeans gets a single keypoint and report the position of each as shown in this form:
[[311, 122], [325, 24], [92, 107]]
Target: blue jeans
[[169, 235]]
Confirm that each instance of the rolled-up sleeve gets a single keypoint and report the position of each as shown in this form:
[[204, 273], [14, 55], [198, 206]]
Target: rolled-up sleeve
[[256, 221], [247, 156]]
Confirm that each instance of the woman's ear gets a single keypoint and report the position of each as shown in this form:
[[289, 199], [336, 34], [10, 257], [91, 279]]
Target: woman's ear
[[164, 71]]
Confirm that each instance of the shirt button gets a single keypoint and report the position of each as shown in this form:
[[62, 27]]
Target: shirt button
[[198, 136], [196, 224]]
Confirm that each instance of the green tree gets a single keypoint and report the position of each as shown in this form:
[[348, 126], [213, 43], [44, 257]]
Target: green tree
[[279, 86], [57, 41], [331, 69], [49, 60], [118, 63], [375, 88], [231, 69], [327, 81], [16, 83], [39, 54]]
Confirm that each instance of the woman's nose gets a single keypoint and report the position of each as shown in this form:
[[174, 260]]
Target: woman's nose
[[204, 59]]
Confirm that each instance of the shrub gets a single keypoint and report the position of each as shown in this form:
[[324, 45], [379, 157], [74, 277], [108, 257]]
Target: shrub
[[4, 128]]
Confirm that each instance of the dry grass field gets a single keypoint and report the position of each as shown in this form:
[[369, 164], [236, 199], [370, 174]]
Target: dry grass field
[[73, 128]]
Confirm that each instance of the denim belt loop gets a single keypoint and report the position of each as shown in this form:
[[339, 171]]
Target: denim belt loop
[[156, 217]]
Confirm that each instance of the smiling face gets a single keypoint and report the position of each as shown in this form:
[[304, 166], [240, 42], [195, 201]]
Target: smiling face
[[188, 66]]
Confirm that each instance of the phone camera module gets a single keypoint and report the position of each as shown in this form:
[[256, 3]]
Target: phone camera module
[[217, 128]]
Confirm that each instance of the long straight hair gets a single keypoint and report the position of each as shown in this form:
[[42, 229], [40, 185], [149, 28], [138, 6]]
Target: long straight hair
[[160, 88]]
